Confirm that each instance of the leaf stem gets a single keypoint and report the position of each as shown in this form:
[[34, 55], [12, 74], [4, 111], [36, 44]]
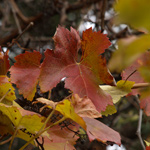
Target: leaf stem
[[6, 141], [40, 132]]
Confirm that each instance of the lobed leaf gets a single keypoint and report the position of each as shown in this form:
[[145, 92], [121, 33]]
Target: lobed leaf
[[81, 77], [25, 73]]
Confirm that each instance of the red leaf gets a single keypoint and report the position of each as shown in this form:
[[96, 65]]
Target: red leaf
[[101, 132], [25, 73], [145, 104], [141, 65], [84, 77]]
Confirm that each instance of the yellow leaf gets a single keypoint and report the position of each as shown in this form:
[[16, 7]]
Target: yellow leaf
[[147, 143], [129, 50], [5, 86], [110, 109], [136, 13], [67, 110], [116, 92]]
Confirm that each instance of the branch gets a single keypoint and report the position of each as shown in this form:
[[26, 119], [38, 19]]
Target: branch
[[140, 85], [138, 132], [103, 15]]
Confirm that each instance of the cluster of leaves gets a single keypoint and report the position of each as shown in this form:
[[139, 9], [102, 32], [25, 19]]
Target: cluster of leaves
[[85, 77]]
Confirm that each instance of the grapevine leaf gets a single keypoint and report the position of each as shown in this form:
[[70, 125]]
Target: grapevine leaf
[[5, 125], [25, 73], [4, 62], [58, 134], [101, 132], [84, 107], [116, 92], [128, 51], [110, 109], [83, 77], [140, 76], [49, 145], [67, 110], [6, 90], [22, 118], [145, 104], [130, 12]]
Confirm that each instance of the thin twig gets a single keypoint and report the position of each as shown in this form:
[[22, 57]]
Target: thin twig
[[15, 16], [13, 41], [39, 133], [5, 95], [6, 141], [103, 15], [138, 132]]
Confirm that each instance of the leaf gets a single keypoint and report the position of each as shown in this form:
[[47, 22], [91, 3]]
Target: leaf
[[116, 92], [83, 77], [110, 109], [145, 104], [84, 107], [4, 62], [144, 68], [5, 86], [25, 73], [129, 50], [49, 145], [138, 77], [136, 13], [58, 134], [67, 110], [22, 118], [101, 132], [5, 125]]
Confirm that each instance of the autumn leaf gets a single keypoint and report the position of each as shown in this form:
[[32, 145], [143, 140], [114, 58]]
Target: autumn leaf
[[7, 93], [65, 145], [22, 118], [25, 73], [135, 73], [136, 13], [4, 62], [84, 107], [101, 132], [83, 77], [67, 110], [121, 89], [6, 125]]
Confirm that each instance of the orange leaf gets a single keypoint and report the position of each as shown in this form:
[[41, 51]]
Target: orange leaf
[[84, 107], [25, 73]]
